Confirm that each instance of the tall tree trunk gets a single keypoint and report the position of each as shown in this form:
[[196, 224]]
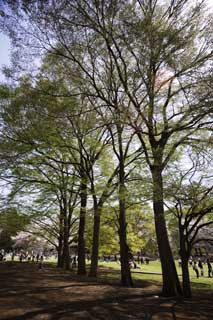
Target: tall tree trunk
[[126, 278], [98, 205], [60, 261], [185, 276], [171, 283], [81, 230], [95, 244], [66, 251], [185, 253]]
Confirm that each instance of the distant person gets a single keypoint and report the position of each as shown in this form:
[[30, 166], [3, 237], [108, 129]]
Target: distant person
[[138, 257], [195, 268], [37, 257], [209, 268], [132, 263], [147, 260], [142, 260], [200, 265], [74, 262], [40, 265]]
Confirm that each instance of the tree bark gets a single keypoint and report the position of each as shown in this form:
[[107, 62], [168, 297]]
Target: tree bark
[[186, 278], [185, 253], [81, 229], [95, 244], [60, 261], [126, 278], [171, 283], [66, 251]]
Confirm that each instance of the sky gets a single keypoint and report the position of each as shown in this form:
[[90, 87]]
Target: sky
[[5, 48], [4, 53]]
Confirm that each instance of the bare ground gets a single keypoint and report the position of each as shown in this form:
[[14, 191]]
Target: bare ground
[[51, 294]]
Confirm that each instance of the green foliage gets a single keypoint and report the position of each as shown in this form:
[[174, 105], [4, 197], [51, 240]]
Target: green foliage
[[140, 230], [143, 67], [6, 242], [11, 223]]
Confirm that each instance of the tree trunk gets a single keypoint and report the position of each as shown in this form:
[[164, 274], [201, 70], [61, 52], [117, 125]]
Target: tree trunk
[[185, 253], [126, 278], [171, 283], [60, 261], [95, 244], [185, 276], [66, 251], [81, 240]]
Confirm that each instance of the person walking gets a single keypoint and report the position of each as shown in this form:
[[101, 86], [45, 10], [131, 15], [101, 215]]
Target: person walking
[[195, 268], [40, 265], [209, 268], [200, 265]]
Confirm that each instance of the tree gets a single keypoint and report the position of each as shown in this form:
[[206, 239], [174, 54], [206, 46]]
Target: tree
[[168, 102], [190, 202], [38, 162], [11, 223], [157, 55]]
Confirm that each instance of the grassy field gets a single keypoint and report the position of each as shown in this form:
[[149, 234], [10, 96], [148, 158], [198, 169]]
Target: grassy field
[[152, 272]]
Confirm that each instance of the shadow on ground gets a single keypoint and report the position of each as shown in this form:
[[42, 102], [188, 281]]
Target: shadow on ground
[[49, 294]]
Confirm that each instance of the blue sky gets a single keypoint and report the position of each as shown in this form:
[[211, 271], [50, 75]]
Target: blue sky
[[5, 47], [4, 53]]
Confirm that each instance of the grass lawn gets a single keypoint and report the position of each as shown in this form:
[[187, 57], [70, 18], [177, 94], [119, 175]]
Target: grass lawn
[[51, 293], [152, 272]]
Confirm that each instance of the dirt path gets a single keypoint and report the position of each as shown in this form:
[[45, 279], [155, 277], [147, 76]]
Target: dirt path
[[50, 294]]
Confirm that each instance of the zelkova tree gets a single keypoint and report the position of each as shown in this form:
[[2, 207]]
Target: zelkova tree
[[123, 154], [34, 160], [63, 142], [161, 56], [122, 146], [156, 54], [11, 223], [189, 200], [92, 142]]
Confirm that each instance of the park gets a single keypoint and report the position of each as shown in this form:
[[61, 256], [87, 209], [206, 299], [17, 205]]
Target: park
[[106, 187], [30, 293]]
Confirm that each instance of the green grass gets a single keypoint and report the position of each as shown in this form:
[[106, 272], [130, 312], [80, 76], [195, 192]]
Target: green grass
[[152, 272]]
